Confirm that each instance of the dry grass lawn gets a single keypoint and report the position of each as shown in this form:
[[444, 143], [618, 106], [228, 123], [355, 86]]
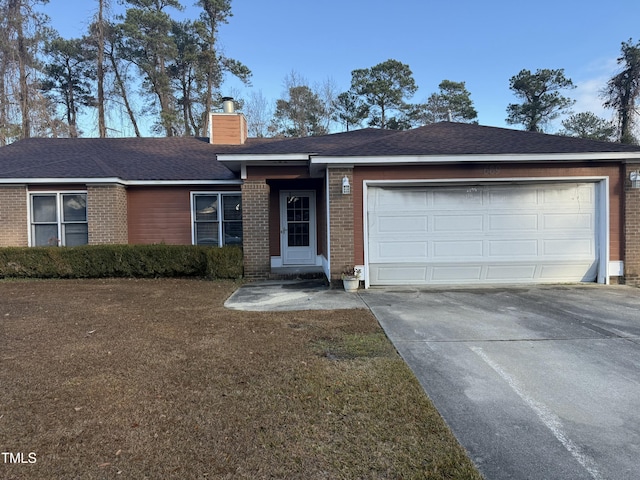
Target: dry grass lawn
[[155, 379]]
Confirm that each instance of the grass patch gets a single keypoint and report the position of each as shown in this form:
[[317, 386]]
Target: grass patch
[[351, 346], [137, 379]]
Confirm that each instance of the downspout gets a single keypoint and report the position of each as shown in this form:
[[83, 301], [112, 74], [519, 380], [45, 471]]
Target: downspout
[[328, 220]]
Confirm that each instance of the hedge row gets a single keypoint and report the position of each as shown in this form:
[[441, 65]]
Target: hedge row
[[141, 261]]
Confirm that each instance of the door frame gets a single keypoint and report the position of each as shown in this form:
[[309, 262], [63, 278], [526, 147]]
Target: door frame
[[313, 240]]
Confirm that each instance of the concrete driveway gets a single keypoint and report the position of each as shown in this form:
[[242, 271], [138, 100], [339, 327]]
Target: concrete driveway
[[536, 382]]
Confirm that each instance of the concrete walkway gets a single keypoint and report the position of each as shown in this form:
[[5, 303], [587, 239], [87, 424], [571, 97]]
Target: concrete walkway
[[292, 295]]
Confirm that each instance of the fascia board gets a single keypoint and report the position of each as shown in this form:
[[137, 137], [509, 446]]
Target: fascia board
[[269, 158], [471, 158], [114, 180]]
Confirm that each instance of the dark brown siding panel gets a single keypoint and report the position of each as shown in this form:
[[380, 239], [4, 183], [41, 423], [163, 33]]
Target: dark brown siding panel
[[274, 222], [159, 215], [291, 172]]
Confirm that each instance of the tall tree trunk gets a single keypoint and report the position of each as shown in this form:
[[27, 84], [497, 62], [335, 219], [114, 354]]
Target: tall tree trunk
[[164, 97], [123, 94], [102, 128], [186, 108], [15, 13], [4, 104], [71, 112]]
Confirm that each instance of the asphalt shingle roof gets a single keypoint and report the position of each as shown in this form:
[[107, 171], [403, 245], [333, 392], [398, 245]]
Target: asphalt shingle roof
[[179, 158], [448, 138], [316, 145], [175, 158]]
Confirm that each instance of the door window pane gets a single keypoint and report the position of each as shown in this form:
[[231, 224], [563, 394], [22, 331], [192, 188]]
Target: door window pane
[[298, 209], [298, 234]]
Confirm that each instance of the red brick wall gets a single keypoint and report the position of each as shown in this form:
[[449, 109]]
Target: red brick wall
[[631, 229], [255, 227], [14, 231], [228, 129], [341, 221], [107, 214]]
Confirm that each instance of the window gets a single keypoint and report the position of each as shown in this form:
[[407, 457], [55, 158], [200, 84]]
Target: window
[[217, 219], [59, 219]]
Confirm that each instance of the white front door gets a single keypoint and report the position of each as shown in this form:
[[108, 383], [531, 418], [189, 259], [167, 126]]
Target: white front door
[[298, 227]]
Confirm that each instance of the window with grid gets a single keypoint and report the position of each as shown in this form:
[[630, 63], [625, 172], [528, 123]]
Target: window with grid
[[217, 219], [59, 219]]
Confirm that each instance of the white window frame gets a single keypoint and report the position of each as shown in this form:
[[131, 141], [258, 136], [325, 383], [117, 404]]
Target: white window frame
[[59, 209], [221, 221]]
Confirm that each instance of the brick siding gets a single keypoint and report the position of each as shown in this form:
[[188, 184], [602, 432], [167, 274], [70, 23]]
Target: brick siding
[[631, 229], [341, 218], [228, 129], [107, 214], [13, 216], [255, 228]]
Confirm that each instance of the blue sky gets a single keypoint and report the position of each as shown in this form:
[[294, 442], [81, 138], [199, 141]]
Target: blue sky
[[482, 43]]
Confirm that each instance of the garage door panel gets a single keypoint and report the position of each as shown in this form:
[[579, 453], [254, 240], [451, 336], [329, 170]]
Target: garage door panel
[[411, 274], [507, 222], [406, 224], [394, 251], [491, 233], [400, 274], [458, 223], [457, 249], [513, 248], [565, 272], [569, 247], [461, 273], [471, 197], [581, 194], [407, 199], [504, 273], [565, 221], [513, 198]]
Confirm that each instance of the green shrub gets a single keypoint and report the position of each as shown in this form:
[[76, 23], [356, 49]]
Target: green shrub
[[98, 261]]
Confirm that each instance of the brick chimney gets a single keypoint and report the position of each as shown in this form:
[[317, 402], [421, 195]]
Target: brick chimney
[[227, 127]]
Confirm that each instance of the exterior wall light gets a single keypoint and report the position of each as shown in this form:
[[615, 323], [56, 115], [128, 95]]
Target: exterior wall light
[[635, 179], [346, 187]]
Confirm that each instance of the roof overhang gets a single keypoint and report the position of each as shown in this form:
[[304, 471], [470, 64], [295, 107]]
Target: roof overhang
[[329, 161], [238, 162], [113, 181], [317, 163]]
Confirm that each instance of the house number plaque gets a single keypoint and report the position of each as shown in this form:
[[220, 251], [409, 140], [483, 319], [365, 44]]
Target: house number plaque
[[491, 170]]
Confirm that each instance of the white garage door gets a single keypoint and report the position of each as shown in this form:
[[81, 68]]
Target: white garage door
[[482, 234]]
